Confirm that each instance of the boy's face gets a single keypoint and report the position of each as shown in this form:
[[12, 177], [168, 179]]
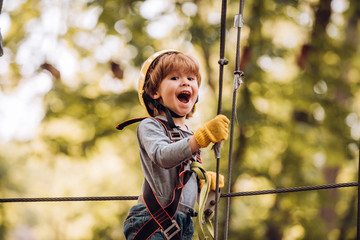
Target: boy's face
[[178, 91]]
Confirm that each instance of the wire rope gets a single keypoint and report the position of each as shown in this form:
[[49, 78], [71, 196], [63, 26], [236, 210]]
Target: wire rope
[[237, 82], [223, 195], [289, 190], [222, 62]]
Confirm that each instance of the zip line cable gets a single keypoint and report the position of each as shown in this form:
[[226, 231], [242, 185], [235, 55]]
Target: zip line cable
[[223, 195], [237, 83], [222, 62], [290, 190]]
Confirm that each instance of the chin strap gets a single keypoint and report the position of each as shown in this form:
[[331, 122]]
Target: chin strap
[[157, 105], [169, 114]]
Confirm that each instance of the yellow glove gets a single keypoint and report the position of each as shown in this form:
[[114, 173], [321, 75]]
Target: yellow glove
[[212, 181], [216, 130]]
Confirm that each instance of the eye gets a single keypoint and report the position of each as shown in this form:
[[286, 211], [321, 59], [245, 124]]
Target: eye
[[174, 78], [190, 78]]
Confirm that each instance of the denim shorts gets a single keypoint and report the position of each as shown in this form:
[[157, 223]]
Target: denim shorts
[[139, 215]]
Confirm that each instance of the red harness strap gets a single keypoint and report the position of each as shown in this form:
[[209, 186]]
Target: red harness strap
[[162, 217]]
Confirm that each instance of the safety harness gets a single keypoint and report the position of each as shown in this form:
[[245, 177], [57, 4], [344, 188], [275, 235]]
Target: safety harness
[[162, 217]]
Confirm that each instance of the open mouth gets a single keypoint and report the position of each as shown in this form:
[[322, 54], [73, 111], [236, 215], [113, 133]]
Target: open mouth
[[184, 97]]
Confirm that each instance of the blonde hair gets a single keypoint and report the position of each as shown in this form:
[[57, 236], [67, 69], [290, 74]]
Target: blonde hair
[[166, 64]]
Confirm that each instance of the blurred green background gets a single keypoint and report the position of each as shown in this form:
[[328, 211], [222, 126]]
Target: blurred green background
[[69, 76]]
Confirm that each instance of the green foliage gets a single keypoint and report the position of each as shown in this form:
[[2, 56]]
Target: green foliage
[[297, 115]]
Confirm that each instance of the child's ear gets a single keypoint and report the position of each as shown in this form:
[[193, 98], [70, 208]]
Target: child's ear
[[156, 95]]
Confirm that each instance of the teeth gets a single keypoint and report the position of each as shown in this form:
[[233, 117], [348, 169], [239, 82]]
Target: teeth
[[184, 96], [185, 92]]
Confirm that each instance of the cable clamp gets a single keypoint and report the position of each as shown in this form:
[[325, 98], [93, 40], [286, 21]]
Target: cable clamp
[[238, 21], [223, 61], [238, 79]]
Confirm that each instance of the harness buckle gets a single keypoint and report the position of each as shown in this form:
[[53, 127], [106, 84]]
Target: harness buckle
[[171, 231], [174, 135]]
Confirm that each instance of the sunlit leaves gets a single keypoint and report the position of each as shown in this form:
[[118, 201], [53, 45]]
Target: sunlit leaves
[[74, 65]]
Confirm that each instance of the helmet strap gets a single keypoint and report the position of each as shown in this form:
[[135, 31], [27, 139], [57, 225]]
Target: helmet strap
[[169, 114]]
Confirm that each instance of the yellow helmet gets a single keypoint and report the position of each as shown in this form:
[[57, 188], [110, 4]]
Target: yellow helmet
[[145, 97], [147, 100], [143, 73]]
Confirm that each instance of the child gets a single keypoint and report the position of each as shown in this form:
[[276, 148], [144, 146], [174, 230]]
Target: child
[[168, 88]]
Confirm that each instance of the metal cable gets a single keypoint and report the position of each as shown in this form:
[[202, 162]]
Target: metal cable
[[222, 62], [223, 195], [237, 82], [288, 190], [68, 199]]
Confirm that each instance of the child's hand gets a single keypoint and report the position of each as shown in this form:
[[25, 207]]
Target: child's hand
[[212, 181], [216, 130]]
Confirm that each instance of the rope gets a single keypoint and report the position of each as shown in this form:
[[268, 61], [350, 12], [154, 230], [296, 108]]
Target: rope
[[288, 190], [237, 82], [68, 199], [222, 62], [223, 195]]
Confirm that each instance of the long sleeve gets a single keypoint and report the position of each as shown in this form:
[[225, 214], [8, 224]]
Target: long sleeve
[[157, 146], [159, 157]]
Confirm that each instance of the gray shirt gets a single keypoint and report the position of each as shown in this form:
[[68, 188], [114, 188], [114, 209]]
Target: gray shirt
[[159, 158]]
